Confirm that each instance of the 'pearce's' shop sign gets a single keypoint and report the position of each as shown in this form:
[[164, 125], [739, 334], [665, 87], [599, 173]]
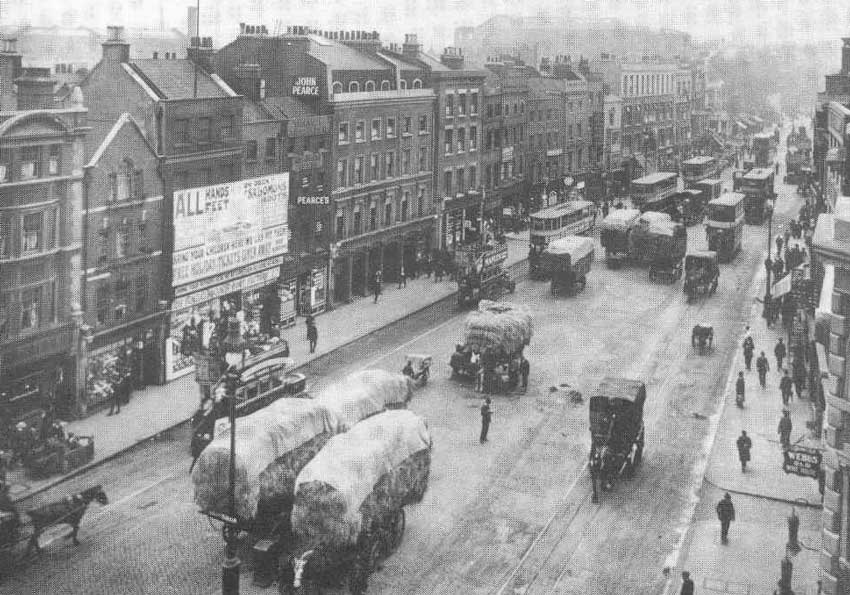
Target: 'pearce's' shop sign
[[802, 460], [305, 86]]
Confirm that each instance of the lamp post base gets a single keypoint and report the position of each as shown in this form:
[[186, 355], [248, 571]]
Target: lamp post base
[[230, 570]]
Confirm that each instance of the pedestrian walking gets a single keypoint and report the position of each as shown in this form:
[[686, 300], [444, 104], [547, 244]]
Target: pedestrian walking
[[784, 429], [726, 513], [376, 285], [312, 336], [749, 348], [762, 367], [744, 444], [115, 401], [687, 584], [779, 246], [524, 370], [402, 278], [799, 376], [785, 386], [739, 390], [779, 352], [486, 416]]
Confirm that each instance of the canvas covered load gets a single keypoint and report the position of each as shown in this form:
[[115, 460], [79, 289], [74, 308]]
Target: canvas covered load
[[499, 324], [620, 220], [365, 393], [657, 236], [570, 248], [379, 466]]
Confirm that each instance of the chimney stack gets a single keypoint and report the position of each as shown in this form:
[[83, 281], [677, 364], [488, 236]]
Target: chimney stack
[[411, 47], [452, 58], [10, 69], [35, 89], [115, 49], [201, 52]]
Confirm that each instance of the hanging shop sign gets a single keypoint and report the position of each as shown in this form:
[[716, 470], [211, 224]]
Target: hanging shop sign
[[227, 226], [508, 154], [305, 86], [802, 460], [782, 286], [554, 152]]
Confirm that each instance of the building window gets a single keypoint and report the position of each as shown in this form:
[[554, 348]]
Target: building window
[[337, 87], [5, 236], [271, 148], [141, 293], [449, 141], [388, 213], [32, 232], [423, 158], [102, 303], [450, 105], [30, 165], [353, 87], [473, 138], [405, 161], [251, 150], [342, 173], [487, 176], [385, 85], [578, 130], [360, 131], [376, 129], [611, 117], [122, 241], [405, 199], [358, 222], [370, 86], [423, 124], [343, 132], [420, 201], [390, 127], [403, 84], [227, 126], [408, 122], [204, 130], [373, 217], [358, 170], [122, 293], [30, 308], [579, 156], [124, 181], [340, 226], [53, 161], [447, 183], [390, 157], [459, 180], [4, 172], [473, 177], [375, 169], [461, 140], [417, 84], [181, 131], [462, 104], [473, 107]]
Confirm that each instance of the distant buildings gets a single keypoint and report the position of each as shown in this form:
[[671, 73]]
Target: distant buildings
[[831, 134]]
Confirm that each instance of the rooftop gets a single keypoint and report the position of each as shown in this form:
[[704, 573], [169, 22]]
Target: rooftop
[[338, 56], [286, 107], [758, 173], [727, 199], [655, 177], [700, 160], [175, 79]]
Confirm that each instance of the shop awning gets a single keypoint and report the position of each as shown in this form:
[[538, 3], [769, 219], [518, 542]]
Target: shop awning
[[781, 287], [836, 154]]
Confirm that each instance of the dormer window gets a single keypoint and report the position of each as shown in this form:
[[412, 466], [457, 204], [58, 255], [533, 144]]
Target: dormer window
[[353, 87], [385, 85], [417, 84], [403, 84], [370, 86], [337, 87]]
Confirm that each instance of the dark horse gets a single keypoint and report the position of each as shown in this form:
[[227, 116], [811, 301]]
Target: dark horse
[[68, 511]]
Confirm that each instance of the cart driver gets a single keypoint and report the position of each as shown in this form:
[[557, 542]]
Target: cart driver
[[408, 369]]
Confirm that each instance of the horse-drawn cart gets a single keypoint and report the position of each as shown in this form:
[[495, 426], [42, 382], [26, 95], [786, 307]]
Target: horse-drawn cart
[[701, 274], [616, 430], [348, 510], [702, 337], [568, 261]]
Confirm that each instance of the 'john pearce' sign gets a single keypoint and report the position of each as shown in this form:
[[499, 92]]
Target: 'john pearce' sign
[[305, 86], [802, 460]]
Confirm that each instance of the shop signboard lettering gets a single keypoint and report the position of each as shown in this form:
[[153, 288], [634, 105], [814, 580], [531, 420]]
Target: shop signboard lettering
[[554, 152], [229, 226], [245, 271], [313, 200], [508, 154], [203, 296], [802, 460], [305, 86]]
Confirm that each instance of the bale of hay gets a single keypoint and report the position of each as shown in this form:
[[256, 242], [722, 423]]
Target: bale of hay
[[374, 469], [499, 324], [272, 446], [365, 393]]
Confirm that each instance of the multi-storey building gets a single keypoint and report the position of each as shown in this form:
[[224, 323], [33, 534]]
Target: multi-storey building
[[612, 149], [831, 264], [123, 265], [505, 140], [381, 107], [546, 137], [41, 199], [682, 114], [829, 154]]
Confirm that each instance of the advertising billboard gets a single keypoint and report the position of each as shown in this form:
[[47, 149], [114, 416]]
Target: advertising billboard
[[229, 226]]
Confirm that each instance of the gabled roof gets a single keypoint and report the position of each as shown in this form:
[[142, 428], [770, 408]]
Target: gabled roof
[[255, 112], [286, 107], [545, 85], [175, 79], [123, 120], [401, 62], [338, 56]]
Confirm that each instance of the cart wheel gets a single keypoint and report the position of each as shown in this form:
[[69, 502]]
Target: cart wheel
[[636, 460], [397, 527]]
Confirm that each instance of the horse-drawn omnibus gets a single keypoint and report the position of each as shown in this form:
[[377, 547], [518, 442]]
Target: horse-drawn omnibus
[[725, 227], [653, 188], [697, 169], [757, 186], [570, 218]]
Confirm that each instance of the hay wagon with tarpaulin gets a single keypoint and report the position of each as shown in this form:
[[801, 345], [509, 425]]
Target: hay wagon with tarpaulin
[[692, 205], [661, 243], [615, 231], [616, 430], [701, 273], [568, 261], [494, 338], [273, 445], [348, 511]]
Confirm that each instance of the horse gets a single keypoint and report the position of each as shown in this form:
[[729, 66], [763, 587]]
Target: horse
[[68, 511]]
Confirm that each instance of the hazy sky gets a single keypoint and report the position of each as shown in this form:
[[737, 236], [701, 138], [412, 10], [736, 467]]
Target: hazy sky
[[756, 21]]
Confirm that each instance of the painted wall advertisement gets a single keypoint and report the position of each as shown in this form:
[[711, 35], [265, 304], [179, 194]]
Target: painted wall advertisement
[[228, 226]]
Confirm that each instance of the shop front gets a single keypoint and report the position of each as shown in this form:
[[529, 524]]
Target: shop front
[[462, 219]]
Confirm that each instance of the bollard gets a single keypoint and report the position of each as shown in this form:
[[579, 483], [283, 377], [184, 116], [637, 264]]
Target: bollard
[[793, 532]]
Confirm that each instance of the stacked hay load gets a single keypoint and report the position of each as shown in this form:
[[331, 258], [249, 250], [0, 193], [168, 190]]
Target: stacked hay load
[[365, 393], [499, 324]]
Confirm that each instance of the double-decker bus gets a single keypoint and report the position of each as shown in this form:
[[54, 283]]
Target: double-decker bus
[[764, 149], [697, 169], [757, 186], [574, 217], [725, 226], [653, 188]]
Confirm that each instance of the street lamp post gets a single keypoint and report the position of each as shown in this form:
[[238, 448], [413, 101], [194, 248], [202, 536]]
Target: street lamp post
[[767, 298], [231, 567]]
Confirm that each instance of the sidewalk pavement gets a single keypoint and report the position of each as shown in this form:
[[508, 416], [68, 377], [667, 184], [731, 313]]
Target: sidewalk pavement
[[763, 495], [158, 408]]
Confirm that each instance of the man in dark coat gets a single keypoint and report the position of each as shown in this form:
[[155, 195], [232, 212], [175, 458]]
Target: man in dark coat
[[749, 348], [740, 387], [117, 396], [376, 285], [524, 371], [312, 336], [779, 352], [784, 430], [726, 514], [744, 444], [762, 367], [486, 416], [687, 584], [799, 376], [785, 386]]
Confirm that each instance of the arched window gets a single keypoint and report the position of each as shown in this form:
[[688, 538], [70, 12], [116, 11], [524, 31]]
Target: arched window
[[337, 88], [385, 85], [403, 84], [370, 86], [353, 87], [417, 84]]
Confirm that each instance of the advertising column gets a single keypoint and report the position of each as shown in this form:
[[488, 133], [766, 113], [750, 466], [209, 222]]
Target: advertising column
[[229, 243]]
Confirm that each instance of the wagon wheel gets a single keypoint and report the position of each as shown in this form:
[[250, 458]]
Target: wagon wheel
[[397, 525], [638, 456]]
